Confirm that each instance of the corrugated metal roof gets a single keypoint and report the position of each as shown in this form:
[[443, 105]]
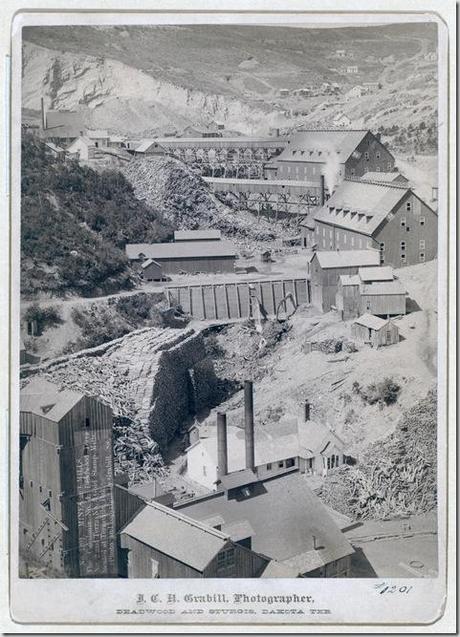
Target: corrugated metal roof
[[196, 235], [285, 516], [318, 145], [45, 399], [381, 273], [381, 288], [176, 535], [361, 205], [347, 258], [181, 250], [371, 321]]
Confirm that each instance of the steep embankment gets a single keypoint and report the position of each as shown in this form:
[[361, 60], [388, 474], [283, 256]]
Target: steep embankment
[[340, 386], [75, 223], [147, 79], [152, 378], [187, 202]]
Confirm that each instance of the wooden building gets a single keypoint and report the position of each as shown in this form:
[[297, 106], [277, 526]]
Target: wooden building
[[83, 148], [388, 217], [186, 256], [151, 270], [63, 127], [374, 290], [160, 542], [324, 271], [375, 331], [333, 153], [66, 510]]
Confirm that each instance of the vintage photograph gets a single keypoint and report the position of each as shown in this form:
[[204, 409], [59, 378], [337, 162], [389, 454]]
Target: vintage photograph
[[229, 301]]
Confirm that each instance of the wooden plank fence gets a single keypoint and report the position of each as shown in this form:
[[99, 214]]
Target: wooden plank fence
[[221, 301]]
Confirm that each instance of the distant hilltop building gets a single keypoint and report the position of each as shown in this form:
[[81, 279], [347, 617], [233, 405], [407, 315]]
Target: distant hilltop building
[[341, 120]]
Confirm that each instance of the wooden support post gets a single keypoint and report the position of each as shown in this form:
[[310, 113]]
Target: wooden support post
[[238, 299], [294, 285], [190, 299], [273, 297], [203, 302], [227, 304], [284, 289], [168, 296], [214, 298]]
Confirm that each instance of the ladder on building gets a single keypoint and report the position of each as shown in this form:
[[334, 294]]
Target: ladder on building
[[50, 545], [37, 533]]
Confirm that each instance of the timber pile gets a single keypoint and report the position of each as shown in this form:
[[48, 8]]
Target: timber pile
[[396, 477], [136, 454]]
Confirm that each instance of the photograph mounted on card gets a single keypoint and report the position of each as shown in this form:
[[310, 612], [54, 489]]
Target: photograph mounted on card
[[229, 319]]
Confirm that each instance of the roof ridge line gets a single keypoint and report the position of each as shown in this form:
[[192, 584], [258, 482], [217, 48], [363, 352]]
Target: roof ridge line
[[387, 184], [188, 520]]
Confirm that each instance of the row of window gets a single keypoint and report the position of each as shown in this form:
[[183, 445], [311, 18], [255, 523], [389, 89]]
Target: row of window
[[404, 221], [421, 257]]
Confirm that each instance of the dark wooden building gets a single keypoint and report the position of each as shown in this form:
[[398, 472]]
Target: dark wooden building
[[186, 256], [333, 153], [389, 217], [326, 268], [375, 331], [374, 290], [160, 542], [66, 510]]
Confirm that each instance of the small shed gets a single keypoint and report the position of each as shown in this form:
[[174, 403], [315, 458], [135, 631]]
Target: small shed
[[375, 330], [151, 270]]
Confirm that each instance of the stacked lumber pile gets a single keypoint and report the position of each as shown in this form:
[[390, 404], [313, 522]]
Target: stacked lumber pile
[[396, 476], [136, 454]]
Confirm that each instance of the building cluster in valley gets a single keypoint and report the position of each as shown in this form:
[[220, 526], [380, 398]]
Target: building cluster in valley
[[359, 221]]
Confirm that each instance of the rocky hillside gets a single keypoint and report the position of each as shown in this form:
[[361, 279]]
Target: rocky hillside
[[187, 202], [147, 79], [74, 226]]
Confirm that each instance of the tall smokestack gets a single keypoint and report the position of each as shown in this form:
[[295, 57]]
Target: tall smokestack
[[249, 425], [43, 113], [307, 411], [222, 456], [323, 193]]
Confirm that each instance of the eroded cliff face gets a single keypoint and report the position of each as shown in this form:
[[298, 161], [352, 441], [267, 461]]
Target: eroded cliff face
[[116, 96]]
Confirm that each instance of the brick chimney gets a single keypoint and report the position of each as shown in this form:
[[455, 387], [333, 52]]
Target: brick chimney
[[222, 453], [306, 411], [249, 424]]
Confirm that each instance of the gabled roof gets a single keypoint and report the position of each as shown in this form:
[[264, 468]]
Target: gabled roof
[[382, 288], [196, 235], [183, 249], [145, 264], [54, 147], [361, 205], [347, 258], [42, 398], [285, 516], [177, 535], [371, 321], [318, 145], [381, 273], [86, 140], [387, 176]]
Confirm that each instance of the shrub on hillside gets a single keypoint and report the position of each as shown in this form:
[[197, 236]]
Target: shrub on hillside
[[384, 393], [43, 317]]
